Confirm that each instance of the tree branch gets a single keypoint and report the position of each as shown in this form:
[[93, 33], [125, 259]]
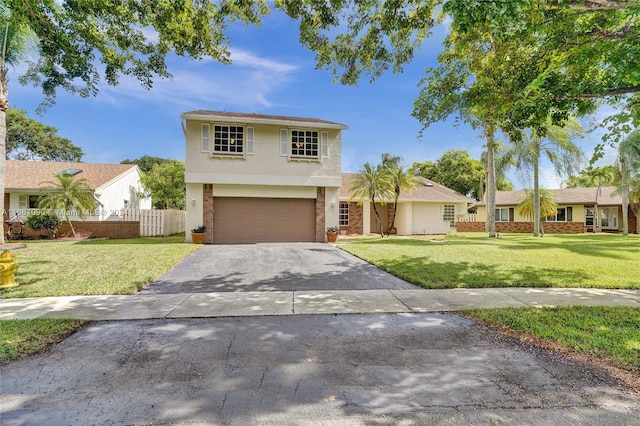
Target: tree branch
[[612, 92], [595, 5]]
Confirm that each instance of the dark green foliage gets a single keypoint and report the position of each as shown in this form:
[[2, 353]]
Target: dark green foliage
[[28, 139], [49, 222]]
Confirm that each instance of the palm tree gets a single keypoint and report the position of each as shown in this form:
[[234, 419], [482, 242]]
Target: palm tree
[[13, 42], [547, 204], [372, 183], [400, 179], [559, 149], [503, 160], [628, 165], [67, 194]]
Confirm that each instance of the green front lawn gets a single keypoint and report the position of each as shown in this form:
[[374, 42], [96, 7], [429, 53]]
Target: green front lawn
[[66, 268], [608, 333], [514, 260], [25, 337]]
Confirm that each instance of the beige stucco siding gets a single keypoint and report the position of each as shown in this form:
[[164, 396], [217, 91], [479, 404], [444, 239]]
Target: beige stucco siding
[[426, 219], [265, 166]]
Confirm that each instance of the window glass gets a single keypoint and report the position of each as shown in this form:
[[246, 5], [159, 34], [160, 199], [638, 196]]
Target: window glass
[[228, 139], [344, 214], [304, 143]]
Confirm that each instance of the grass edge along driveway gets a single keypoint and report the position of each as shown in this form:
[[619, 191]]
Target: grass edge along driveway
[[514, 260]]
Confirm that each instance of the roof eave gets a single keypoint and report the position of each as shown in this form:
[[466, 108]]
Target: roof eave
[[252, 120]]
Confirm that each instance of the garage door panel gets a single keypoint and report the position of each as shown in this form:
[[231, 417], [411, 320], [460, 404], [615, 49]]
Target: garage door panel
[[253, 220]]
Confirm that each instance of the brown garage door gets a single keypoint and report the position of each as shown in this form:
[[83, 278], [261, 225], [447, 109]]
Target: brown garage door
[[260, 220]]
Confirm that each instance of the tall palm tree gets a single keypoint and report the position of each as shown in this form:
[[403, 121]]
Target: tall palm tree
[[372, 183], [547, 204], [400, 178], [629, 166], [503, 160], [66, 195], [13, 42], [558, 147]]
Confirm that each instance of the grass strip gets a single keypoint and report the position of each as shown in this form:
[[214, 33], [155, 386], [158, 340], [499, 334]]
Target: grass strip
[[21, 338], [607, 333]]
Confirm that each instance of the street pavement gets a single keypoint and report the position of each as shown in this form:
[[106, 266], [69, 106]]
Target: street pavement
[[302, 335]]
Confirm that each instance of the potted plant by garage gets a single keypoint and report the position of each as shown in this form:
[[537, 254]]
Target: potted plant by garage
[[197, 234], [332, 234]]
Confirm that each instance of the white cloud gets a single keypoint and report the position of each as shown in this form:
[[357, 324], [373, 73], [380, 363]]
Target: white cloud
[[249, 82]]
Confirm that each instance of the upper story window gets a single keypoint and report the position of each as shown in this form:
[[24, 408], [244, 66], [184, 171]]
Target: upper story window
[[309, 144], [227, 139], [304, 143]]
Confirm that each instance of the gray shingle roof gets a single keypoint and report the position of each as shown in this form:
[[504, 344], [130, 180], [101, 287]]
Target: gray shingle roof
[[253, 117], [28, 175], [563, 196], [427, 191]]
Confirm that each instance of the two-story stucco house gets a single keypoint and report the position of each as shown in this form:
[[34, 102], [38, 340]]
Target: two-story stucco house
[[261, 178]]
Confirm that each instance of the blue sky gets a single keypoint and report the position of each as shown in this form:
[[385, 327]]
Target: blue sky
[[271, 74]]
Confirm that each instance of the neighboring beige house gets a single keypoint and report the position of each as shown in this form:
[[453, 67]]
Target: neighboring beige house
[[428, 209], [116, 186], [261, 178], [576, 212]]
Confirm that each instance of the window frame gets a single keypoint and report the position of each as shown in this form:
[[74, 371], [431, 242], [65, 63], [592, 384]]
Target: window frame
[[294, 133], [498, 217], [343, 213], [229, 144], [554, 218], [449, 213]]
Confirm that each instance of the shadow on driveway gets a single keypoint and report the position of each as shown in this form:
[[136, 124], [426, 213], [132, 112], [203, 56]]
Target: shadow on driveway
[[273, 267]]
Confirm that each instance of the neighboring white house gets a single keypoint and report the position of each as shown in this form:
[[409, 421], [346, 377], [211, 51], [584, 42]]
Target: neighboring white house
[[428, 209], [116, 186], [261, 178]]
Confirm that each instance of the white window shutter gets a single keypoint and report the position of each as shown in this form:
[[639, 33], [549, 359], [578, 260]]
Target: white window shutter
[[441, 211], [249, 140], [205, 138], [324, 142], [23, 202], [284, 142]]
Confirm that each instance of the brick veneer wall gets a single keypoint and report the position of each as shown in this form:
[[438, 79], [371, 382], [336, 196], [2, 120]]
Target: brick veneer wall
[[633, 222], [321, 231], [355, 220], [94, 229], [207, 212], [524, 227]]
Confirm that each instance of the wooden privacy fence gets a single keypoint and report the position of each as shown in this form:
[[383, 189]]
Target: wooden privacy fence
[[156, 223]]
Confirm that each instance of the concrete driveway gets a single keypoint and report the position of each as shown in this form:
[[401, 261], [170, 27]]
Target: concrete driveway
[[273, 267]]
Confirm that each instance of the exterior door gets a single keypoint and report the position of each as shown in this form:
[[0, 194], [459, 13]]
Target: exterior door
[[609, 218]]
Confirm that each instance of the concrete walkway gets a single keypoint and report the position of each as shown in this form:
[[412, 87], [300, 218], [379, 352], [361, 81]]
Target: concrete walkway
[[235, 304]]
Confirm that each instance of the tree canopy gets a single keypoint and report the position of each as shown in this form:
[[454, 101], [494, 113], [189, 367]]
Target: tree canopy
[[146, 162], [164, 183], [79, 44], [456, 169], [29, 139]]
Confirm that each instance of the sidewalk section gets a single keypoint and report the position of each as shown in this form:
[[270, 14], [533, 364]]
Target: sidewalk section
[[232, 304]]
